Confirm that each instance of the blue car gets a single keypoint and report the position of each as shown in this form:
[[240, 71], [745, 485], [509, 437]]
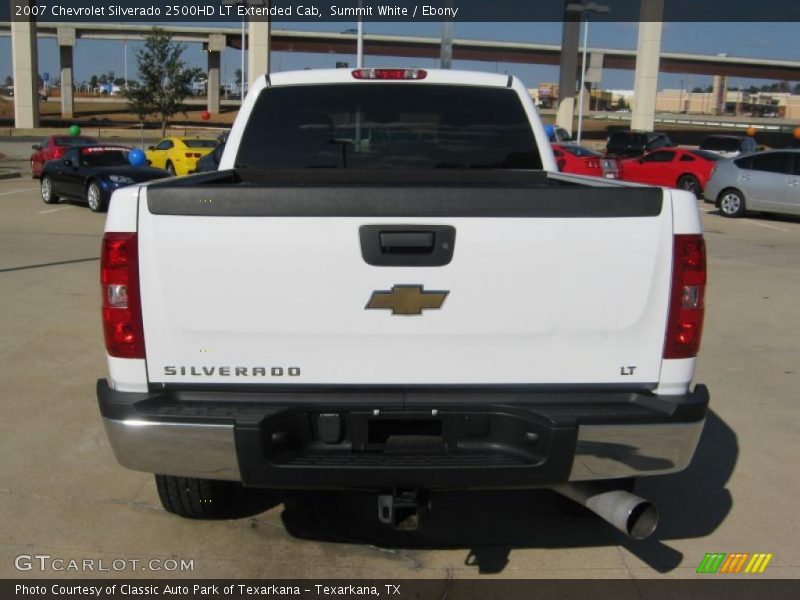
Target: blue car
[[91, 174]]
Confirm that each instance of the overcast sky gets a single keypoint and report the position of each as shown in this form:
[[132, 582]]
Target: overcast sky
[[758, 40]]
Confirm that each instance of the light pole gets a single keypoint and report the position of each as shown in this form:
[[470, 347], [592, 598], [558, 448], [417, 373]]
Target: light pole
[[585, 9], [360, 37], [125, 43], [244, 78]]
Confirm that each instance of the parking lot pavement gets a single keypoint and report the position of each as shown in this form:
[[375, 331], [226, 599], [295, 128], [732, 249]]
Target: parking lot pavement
[[62, 494]]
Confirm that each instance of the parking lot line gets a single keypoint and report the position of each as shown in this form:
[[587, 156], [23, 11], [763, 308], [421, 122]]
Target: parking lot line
[[52, 210], [19, 191], [767, 225]]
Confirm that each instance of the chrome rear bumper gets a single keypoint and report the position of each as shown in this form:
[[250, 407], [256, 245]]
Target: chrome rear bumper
[[189, 443]]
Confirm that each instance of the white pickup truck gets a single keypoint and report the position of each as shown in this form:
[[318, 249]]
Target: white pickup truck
[[388, 286]]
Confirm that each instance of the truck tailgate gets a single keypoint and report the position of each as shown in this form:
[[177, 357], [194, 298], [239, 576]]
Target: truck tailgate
[[268, 284]]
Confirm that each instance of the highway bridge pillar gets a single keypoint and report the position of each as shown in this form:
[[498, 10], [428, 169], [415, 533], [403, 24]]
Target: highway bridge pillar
[[215, 46], [570, 35], [26, 72], [66, 42], [648, 56], [258, 43]]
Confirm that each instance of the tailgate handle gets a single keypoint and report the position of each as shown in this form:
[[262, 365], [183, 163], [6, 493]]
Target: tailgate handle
[[407, 245], [407, 242]]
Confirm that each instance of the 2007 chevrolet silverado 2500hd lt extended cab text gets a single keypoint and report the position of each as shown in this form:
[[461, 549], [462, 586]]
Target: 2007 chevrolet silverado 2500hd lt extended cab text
[[389, 287]]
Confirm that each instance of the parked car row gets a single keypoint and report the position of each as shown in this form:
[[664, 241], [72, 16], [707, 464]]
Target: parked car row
[[90, 174], [728, 170], [80, 168]]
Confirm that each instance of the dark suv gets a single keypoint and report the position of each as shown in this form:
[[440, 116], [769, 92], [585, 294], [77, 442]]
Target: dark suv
[[629, 144]]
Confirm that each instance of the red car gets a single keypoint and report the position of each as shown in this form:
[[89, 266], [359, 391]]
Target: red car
[[672, 167], [571, 158], [55, 146]]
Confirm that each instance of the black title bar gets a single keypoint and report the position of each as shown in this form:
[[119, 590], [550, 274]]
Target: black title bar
[[216, 11], [708, 588]]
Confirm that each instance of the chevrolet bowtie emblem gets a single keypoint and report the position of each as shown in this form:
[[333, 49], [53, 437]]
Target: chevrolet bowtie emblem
[[406, 300]]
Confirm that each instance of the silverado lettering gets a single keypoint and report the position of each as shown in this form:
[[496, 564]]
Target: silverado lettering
[[171, 371]]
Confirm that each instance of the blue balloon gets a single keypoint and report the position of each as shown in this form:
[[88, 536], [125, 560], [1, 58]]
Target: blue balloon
[[550, 131], [137, 158]]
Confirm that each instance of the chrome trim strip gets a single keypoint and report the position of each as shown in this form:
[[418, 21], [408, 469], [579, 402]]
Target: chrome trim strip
[[615, 451], [207, 451]]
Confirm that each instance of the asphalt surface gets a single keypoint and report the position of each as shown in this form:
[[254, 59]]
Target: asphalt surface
[[63, 495]]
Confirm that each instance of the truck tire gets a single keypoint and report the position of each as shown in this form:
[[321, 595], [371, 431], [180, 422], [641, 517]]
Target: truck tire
[[195, 498]]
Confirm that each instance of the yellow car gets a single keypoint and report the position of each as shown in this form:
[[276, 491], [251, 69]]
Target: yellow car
[[178, 155]]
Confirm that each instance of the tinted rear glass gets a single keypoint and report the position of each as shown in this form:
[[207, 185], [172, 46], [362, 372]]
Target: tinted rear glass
[[104, 158], [388, 126], [720, 144], [580, 151], [625, 137], [200, 143], [771, 162], [74, 141]]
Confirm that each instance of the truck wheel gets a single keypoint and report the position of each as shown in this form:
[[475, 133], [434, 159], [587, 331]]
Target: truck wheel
[[48, 195], [195, 498], [731, 203]]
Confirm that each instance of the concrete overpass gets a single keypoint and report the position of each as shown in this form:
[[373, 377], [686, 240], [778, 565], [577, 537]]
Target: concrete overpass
[[427, 47], [215, 39]]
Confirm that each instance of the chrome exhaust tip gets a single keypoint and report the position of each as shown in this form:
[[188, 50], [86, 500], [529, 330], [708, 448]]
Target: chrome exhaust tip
[[632, 515]]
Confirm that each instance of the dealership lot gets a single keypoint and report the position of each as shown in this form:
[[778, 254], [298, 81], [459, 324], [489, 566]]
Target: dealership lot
[[63, 495]]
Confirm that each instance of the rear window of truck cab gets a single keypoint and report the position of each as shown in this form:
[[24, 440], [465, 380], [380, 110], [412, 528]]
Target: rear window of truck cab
[[388, 126]]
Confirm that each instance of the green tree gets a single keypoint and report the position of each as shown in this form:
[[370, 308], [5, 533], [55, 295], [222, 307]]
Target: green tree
[[94, 81], [237, 78], [9, 81], [164, 79]]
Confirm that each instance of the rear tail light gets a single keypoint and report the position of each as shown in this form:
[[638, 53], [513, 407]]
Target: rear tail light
[[685, 324], [193, 155], [122, 309], [59, 151], [390, 74]]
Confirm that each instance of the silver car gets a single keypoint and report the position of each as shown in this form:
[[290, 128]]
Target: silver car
[[764, 181]]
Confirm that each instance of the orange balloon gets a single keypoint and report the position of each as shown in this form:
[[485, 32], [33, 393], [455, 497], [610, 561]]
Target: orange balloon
[[797, 133], [751, 131]]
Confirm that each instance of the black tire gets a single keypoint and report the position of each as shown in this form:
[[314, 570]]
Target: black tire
[[170, 168], [195, 498], [690, 183], [95, 198], [48, 195], [731, 203]]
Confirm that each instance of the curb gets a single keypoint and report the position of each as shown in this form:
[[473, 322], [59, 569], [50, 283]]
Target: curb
[[10, 174]]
